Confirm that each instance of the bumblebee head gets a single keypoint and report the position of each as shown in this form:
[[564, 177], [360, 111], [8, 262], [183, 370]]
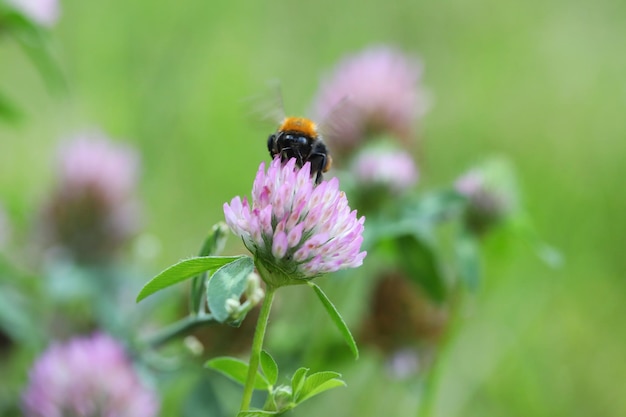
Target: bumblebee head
[[301, 125]]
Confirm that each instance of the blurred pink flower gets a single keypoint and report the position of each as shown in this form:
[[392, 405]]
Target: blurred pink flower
[[403, 363], [93, 161], [43, 12], [295, 227], [93, 210], [486, 204], [87, 377], [392, 169], [376, 91], [470, 183]]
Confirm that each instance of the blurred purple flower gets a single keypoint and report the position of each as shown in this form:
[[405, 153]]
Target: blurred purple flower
[[486, 203], [376, 91], [93, 210], [296, 230], [43, 12], [87, 377], [403, 363], [469, 183], [392, 169], [93, 161]]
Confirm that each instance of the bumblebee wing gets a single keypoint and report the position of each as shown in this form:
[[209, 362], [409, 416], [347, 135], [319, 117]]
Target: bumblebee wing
[[266, 107], [340, 118]]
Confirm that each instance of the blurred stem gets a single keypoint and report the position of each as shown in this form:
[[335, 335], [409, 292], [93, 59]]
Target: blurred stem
[[180, 327], [429, 395], [433, 377], [257, 344]]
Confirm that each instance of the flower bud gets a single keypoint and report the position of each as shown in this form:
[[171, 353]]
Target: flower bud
[[233, 307]]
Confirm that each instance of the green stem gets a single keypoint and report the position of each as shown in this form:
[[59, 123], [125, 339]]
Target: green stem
[[257, 344], [180, 327], [429, 392], [433, 377]]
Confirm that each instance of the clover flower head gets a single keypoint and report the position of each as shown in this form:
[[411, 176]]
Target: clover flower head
[[86, 377], [295, 229], [376, 91], [470, 183], [93, 209], [489, 198], [92, 160], [391, 169]]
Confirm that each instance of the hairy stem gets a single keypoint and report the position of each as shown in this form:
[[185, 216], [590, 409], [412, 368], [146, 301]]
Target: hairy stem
[[257, 345]]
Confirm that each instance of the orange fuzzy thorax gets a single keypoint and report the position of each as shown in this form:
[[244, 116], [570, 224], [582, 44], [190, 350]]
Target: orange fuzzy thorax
[[299, 124]]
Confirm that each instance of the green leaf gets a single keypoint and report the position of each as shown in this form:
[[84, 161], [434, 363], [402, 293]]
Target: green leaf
[[434, 207], [197, 292], [237, 370], [418, 259], [8, 111], [549, 254], [468, 260], [228, 282], [200, 396], [315, 382], [270, 368], [183, 270], [419, 215], [336, 318], [522, 225], [16, 320], [215, 241], [297, 381], [34, 41], [212, 245], [325, 386], [15, 20], [257, 413]]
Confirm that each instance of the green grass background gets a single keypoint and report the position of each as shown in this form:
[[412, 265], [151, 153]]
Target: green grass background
[[541, 82]]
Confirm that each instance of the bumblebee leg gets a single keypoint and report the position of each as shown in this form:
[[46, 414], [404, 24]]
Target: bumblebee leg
[[270, 145], [318, 162], [295, 153], [319, 148], [328, 163]]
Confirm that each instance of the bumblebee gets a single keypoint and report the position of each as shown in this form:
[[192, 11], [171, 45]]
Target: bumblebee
[[299, 138]]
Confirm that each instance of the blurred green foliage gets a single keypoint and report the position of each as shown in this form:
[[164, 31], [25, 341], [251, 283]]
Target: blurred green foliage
[[542, 82]]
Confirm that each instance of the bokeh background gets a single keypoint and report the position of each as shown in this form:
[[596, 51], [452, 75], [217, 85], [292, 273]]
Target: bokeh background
[[540, 82]]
